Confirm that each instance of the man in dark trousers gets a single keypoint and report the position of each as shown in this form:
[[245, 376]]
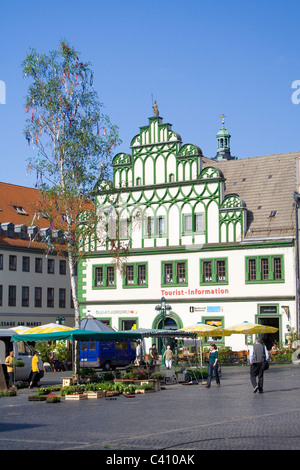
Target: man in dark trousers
[[258, 355]]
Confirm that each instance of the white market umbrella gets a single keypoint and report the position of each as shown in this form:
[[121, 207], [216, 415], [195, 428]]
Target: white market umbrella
[[20, 329]]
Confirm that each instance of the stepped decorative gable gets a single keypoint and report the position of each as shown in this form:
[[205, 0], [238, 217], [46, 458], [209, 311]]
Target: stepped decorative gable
[[158, 157]]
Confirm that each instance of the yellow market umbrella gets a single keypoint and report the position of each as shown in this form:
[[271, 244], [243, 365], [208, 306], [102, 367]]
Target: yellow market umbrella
[[247, 328], [202, 329], [49, 328]]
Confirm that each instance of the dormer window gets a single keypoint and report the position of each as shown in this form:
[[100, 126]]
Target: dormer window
[[20, 210], [8, 229]]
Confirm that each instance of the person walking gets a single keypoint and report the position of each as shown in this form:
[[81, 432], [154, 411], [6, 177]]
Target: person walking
[[35, 370], [9, 362], [213, 365], [153, 354], [168, 356], [258, 355], [138, 354]]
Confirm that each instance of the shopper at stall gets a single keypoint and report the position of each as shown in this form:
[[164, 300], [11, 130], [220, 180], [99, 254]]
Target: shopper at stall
[[9, 361]]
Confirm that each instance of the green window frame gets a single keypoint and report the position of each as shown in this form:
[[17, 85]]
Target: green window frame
[[174, 273], [124, 228], [104, 276], [264, 269], [214, 271], [135, 275], [193, 223], [155, 227], [214, 320]]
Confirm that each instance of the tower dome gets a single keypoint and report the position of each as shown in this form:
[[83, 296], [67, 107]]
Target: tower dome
[[223, 150]]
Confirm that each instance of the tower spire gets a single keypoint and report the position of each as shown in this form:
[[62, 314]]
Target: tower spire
[[223, 139]]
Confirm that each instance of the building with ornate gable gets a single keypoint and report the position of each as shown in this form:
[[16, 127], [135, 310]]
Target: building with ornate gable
[[216, 237]]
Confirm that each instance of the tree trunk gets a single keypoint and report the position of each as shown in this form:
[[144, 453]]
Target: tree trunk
[[76, 306]]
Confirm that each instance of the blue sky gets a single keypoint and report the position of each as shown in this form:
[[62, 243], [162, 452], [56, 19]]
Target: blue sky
[[197, 58]]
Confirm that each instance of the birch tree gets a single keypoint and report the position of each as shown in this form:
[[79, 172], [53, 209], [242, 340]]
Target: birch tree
[[72, 141]]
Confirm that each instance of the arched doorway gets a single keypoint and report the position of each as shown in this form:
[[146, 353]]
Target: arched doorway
[[171, 322]]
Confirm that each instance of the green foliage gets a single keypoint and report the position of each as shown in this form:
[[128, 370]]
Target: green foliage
[[136, 374], [199, 373], [19, 363], [157, 376], [47, 350], [64, 112]]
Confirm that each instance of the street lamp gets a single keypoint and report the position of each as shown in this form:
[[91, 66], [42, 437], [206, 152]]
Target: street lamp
[[60, 320], [163, 308]]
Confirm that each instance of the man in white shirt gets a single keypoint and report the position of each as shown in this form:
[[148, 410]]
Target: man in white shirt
[[258, 355]]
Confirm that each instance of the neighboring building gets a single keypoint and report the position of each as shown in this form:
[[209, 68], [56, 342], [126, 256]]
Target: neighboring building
[[215, 237], [34, 285]]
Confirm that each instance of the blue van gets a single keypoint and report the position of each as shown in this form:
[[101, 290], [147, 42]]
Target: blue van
[[107, 354]]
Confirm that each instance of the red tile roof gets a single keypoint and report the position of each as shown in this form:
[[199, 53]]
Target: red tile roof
[[19, 196]]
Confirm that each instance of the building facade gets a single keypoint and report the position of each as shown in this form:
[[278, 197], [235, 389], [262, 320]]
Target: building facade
[[215, 237], [34, 283]]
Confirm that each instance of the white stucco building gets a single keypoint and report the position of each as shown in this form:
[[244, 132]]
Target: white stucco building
[[35, 284], [215, 237]]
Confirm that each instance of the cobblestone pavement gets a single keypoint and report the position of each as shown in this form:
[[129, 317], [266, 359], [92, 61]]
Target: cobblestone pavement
[[180, 417]]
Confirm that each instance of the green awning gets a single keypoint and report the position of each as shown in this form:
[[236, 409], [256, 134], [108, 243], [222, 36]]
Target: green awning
[[80, 335], [87, 335]]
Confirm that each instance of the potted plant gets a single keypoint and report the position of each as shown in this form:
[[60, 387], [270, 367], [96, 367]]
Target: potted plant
[[19, 363], [51, 398]]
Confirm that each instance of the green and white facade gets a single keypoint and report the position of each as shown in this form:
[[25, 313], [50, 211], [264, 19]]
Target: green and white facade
[[191, 238]]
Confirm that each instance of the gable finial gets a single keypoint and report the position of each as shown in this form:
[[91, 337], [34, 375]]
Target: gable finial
[[223, 118]]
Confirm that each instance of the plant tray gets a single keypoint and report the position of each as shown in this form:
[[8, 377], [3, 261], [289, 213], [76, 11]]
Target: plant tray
[[38, 398], [99, 394], [129, 395], [111, 393], [77, 396], [142, 390]]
